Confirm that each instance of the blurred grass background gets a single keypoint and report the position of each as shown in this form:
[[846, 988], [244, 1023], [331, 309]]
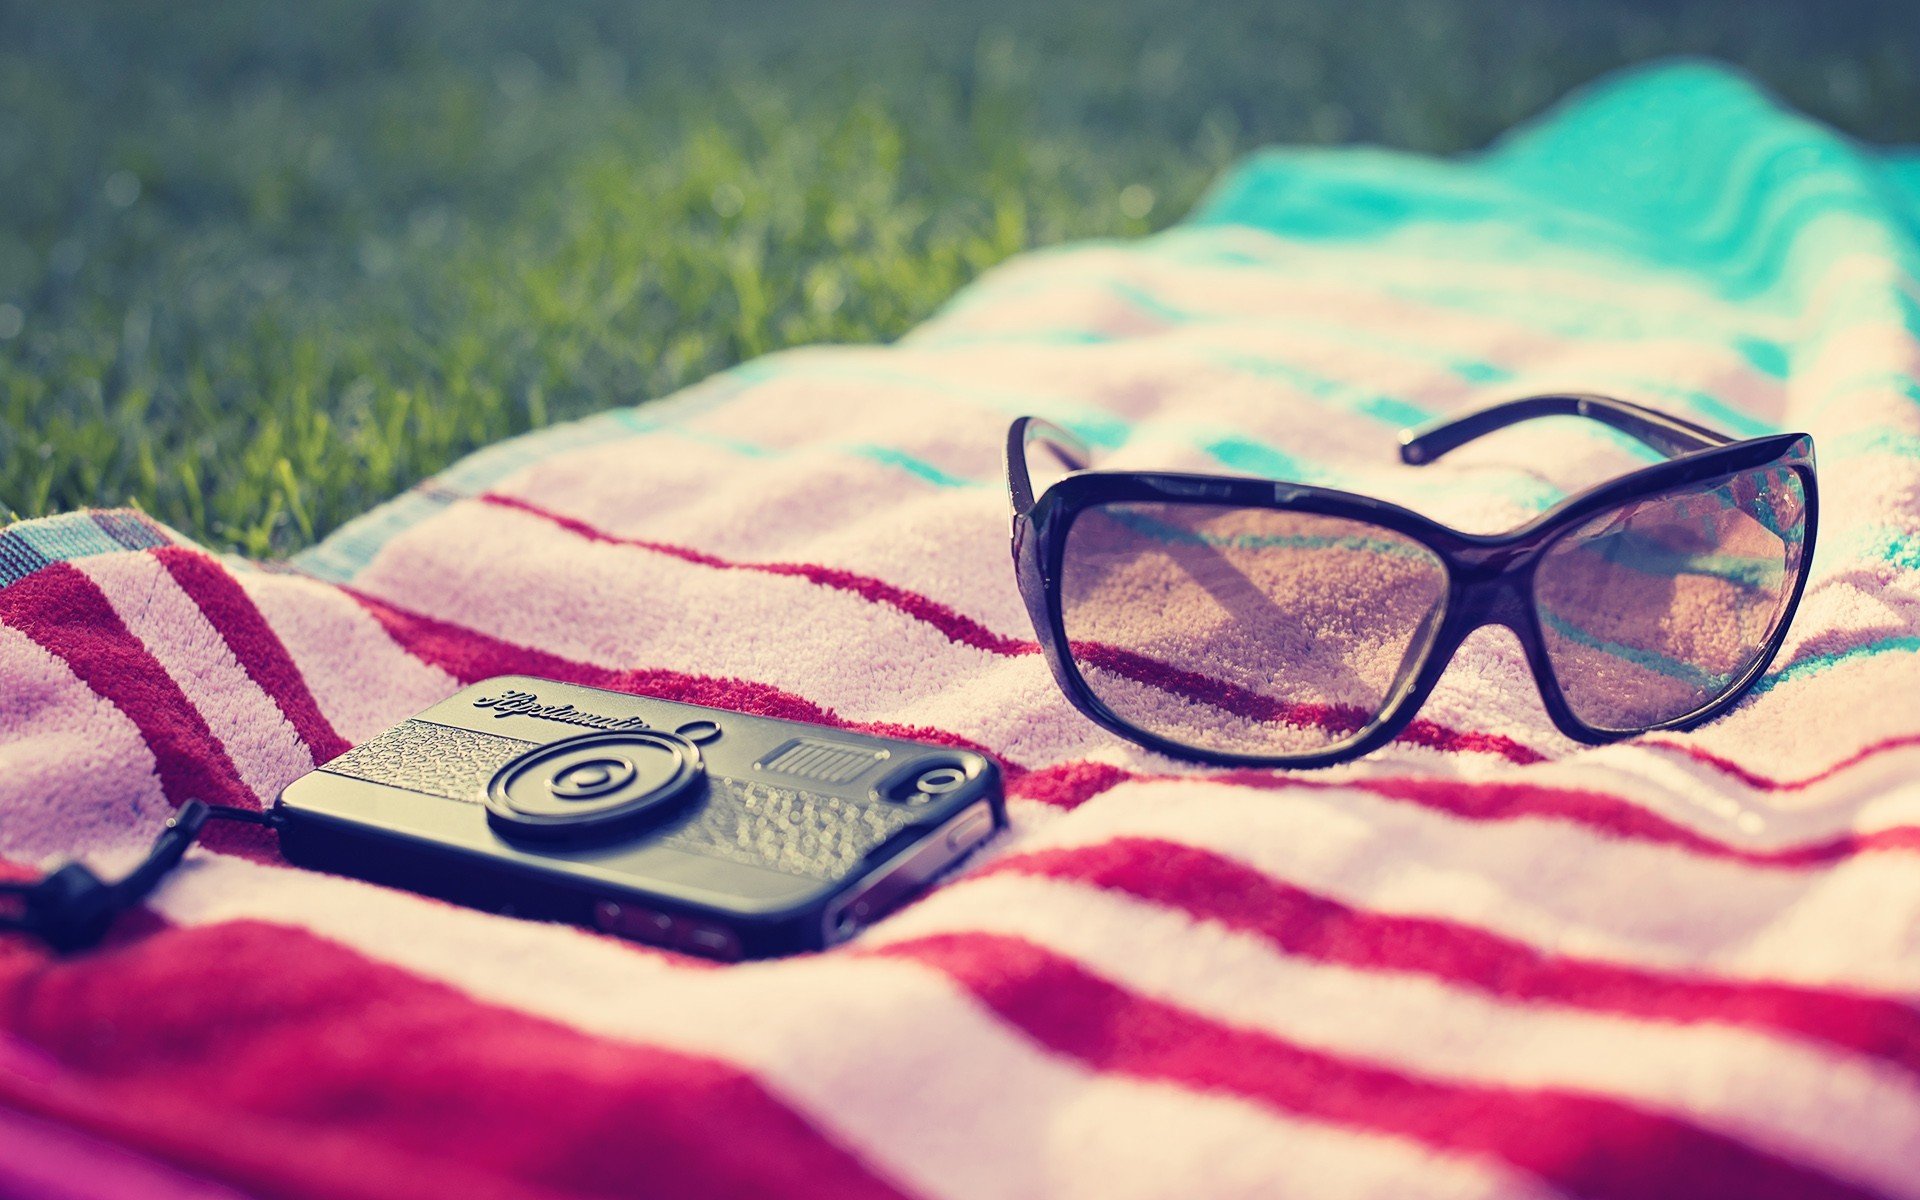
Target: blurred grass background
[[265, 265]]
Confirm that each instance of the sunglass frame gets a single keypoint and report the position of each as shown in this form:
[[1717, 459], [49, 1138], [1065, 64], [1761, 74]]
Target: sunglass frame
[[1489, 576]]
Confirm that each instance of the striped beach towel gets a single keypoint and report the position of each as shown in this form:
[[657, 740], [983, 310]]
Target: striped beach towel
[[1484, 962]]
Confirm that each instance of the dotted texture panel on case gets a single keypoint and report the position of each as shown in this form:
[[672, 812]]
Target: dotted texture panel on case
[[438, 760], [781, 829]]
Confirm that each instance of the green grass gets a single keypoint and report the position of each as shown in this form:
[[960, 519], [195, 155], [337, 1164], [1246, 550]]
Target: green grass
[[262, 267]]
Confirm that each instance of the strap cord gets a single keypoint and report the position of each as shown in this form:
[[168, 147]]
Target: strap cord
[[71, 908]]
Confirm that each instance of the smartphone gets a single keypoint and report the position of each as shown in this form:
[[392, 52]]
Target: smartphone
[[713, 832]]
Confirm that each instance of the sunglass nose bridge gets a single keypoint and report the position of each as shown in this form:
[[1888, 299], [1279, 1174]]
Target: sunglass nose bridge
[[1492, 597]]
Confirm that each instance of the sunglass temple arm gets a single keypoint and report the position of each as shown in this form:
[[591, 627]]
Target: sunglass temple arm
[[1671, 436], [1072, 452]]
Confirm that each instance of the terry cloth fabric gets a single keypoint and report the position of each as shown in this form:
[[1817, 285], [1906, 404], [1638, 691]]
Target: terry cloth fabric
[[1486, 962]]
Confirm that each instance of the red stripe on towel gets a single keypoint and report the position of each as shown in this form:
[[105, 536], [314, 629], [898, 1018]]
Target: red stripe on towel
[[258, 649], [1304, 924], [1070, 784], [1624, 819], [1765, 783], [68, 615], [957, 626], [279, 1060], [41, 1160], [470, 656], [1583, 1145]]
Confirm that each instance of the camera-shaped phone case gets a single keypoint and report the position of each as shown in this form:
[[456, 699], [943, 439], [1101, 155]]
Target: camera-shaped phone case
[[714, 832]]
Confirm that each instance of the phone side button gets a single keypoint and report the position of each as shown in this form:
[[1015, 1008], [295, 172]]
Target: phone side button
[[636, 922], [714, 941], [970, 830]]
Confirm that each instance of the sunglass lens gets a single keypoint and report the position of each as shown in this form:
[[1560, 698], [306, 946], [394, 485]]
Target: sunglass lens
[[1246, 631], [1653, 610]]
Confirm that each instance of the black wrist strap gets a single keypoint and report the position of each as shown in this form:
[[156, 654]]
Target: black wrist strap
[[71, 908]]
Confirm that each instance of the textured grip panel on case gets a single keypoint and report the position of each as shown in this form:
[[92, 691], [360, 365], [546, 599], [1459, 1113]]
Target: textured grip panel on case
[[437, 760], [782, 829]]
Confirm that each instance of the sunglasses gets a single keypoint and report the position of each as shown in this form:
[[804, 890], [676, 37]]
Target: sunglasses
[[1250, 622]]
